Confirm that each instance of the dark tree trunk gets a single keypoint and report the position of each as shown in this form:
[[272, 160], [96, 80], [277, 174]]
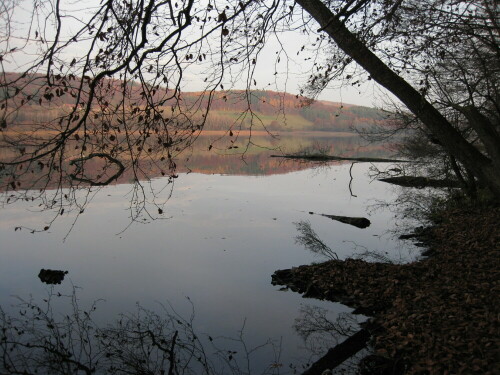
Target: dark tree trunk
[[451, 139], [340, 353], [486, 132]]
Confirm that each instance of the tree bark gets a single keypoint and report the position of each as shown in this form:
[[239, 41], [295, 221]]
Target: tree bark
[[486, 132], [441, 128]]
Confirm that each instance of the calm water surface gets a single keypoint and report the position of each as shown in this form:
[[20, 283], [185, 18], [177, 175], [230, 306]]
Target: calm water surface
[[222, 238]]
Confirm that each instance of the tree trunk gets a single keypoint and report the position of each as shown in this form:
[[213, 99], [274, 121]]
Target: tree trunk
[[451, 139], [486, 132]]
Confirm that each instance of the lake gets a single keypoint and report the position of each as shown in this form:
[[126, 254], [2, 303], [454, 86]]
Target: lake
[[220, 237]]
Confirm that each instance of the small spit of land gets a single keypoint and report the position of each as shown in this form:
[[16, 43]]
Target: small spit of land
[[439, 315]]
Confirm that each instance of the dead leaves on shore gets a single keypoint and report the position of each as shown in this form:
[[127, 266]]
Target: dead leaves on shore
[[439, 315]]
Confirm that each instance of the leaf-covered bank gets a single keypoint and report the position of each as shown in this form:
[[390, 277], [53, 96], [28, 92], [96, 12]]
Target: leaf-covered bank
[[435, 316]]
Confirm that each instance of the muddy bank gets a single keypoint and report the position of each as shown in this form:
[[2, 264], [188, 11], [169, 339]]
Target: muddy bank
[[439, 315]]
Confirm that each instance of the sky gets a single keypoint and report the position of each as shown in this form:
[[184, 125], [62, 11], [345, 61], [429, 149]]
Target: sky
[[292, 73]]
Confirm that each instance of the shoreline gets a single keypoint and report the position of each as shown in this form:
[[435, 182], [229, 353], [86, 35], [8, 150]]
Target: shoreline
[[274, 133], [437, 315], [285, 133]]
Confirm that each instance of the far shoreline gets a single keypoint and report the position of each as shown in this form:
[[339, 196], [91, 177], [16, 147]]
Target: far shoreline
[[278, 133]]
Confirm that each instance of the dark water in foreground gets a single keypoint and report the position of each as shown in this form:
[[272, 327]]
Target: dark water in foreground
[[221, 239]]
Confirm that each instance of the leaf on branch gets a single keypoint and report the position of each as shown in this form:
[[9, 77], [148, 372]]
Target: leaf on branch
[[222, 17]]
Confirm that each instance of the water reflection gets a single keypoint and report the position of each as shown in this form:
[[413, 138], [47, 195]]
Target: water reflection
[[255, 160], [38, 340], [308, 238], [248, 155], [224, 237], [322, 329]]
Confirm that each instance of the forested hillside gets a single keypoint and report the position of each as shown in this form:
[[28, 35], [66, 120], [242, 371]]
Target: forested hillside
[[285, 112], [233, 109]]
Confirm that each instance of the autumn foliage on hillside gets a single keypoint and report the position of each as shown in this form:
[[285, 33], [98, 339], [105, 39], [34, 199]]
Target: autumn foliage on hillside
[[236, 110]]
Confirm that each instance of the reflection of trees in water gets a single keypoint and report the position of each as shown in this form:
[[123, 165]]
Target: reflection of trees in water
[[148, 194], [41, 340], [308, 238], [321, 329]]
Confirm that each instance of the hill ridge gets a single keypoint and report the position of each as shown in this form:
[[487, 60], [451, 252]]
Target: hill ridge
[[229, 109]]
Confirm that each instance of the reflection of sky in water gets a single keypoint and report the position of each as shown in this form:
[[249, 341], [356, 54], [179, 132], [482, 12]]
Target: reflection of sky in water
[[225, 237]]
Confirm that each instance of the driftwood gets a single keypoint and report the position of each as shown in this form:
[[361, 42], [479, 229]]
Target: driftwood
[[321, 157], [341, 352], [359, 222]]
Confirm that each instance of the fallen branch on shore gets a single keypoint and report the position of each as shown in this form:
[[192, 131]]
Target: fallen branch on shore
[[420, 182]]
